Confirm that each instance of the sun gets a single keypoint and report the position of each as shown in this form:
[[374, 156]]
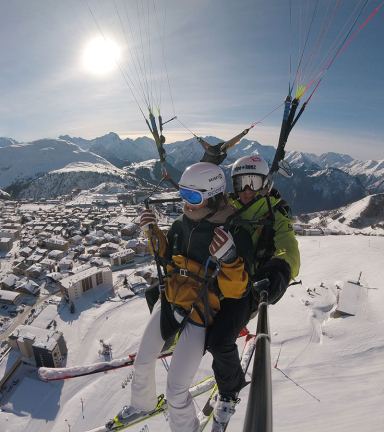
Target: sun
[[100, 56]]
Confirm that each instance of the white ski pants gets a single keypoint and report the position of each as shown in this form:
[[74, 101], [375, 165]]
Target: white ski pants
[[184, 364]]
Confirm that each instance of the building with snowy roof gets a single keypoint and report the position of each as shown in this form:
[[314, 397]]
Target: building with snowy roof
[[8, 365], [6, 244], [56, 254], [13, 234], [125, 293], [9, 283], [129, 230], [46, 318], [122, 257], [40, 346], [56, 244], [66, 263], [27, 287], [73, 287], [9, 297]]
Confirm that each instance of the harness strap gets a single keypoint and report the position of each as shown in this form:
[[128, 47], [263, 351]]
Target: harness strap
[[186, 273], [265, 247]]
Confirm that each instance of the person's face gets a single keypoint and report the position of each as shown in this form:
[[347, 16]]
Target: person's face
[[193, 207], [247, 195]]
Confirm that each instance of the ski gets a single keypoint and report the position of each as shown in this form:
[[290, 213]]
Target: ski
[[55, 374], [207, 412], [162, 406]]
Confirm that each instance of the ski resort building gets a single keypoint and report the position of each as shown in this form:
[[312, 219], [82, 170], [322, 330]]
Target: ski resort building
[[73, 287], [122, 257], [6, 244], [56, 244], [44, 347], [12, 234]]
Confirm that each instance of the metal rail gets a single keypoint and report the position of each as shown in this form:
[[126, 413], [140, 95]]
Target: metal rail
[[258, 417]]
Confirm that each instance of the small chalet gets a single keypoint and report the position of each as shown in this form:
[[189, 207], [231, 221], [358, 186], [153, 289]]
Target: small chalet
[[26, 252], [139, 246], [6, 244], [9, 283], [56, 254], [76, 239], [48, 264], [66, 263], [129, 230], [34, 271], [27, 287], [9, 297], [20, 269]]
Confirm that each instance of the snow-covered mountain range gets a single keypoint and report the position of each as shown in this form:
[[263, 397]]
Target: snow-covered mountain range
[[53, 167], [320, 182], [365, 215]]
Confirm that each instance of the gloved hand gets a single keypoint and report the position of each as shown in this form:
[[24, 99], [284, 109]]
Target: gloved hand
[[148, 217], [278, 272], [223, 247]]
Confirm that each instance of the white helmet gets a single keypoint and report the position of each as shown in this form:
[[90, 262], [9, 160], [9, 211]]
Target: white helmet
[[249, 171], [201, 181], [250, 165]]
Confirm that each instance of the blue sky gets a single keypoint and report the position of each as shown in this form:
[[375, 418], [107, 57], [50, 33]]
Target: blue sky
[[227, 62]]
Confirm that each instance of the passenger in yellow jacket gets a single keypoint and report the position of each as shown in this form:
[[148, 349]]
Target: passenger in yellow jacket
[[192, 292], [275, 256]]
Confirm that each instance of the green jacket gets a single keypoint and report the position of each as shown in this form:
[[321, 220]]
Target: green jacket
[[284, 244]]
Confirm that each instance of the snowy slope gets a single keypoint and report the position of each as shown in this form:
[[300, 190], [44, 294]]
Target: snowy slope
[[77, 175], [330, 159], [370, 173], [5, 142], [329, 377], [4, 195], [137, 150], [365, 216], [20, 163]]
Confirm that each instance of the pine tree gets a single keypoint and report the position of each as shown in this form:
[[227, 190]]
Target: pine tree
[[72, 308]]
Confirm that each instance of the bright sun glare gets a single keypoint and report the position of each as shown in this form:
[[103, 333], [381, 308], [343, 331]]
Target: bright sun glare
[[100, 56]]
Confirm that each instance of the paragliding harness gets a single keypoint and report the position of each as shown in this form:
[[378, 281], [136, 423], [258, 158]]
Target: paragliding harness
[[265, 247], [169, 325], [207, 283]]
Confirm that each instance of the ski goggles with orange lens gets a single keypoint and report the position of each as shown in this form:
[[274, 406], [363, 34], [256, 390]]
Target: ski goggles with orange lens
[[254, 182]]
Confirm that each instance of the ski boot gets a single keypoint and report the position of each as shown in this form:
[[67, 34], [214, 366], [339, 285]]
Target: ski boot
[[222, 412], [129, 415]]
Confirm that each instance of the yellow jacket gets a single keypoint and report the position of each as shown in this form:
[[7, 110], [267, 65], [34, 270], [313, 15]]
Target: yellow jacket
[[187, 246]]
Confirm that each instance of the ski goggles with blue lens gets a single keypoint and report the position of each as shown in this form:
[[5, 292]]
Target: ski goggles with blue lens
[[192, 196], [196, 197], [253, 181]]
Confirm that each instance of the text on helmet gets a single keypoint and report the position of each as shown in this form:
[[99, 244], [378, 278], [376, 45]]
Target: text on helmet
[[245, 167], [219, 176]]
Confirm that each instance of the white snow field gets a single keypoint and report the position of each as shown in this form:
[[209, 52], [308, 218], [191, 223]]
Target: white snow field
[[329, 375]]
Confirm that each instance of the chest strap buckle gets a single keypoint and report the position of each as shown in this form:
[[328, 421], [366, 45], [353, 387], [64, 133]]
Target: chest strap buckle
[[184, 272]]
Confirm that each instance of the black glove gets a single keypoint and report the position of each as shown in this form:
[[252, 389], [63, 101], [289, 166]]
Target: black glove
[[278, 272]]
